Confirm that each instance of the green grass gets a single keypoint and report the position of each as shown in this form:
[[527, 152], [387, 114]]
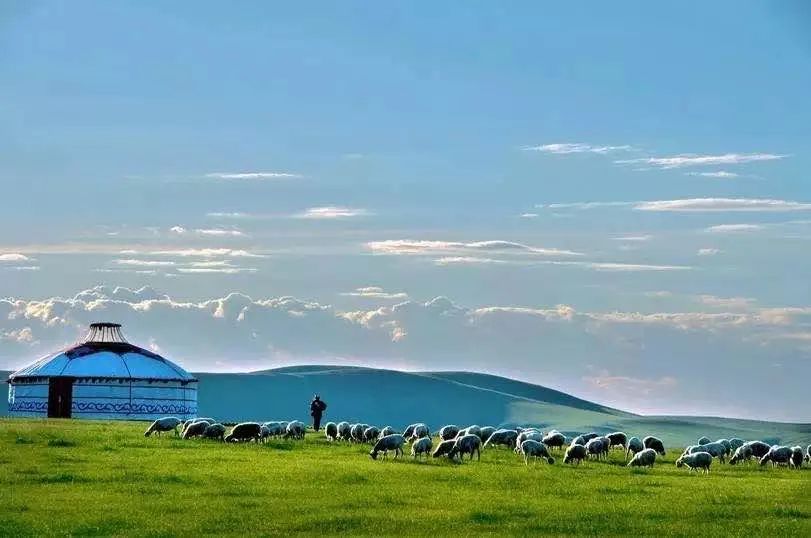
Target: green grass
[[86, 478]]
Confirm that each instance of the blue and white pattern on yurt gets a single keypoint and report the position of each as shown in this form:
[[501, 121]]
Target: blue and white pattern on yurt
[[105, 379]]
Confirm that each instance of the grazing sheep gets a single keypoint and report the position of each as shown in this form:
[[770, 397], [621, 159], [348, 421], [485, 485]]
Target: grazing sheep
[[371, 434], [619, 439], [331, 431], [535, 449], [264, 432], [421, 446], [502, 437], [726, 444], [778, 455], [634, 446], [796, 457], [759, 448], [409, 431], [704, 440], [645, 458], [215, 431], [467, 444], [486, 432], [393, 442], [388, 430], [444, 448], [575, 454], [808, 453], [283, 425], [654, 443], [471, 430], [579, 440], [448, 432], [597, 447], [735, 443], [554, 439], [164, 424], [192, 421], [244, 431], [696, 460], [195, 429], [716, 450], [589, 436], [295, 429], [274, 429], [356, 432], [742, 453], [526, 435], [420, 431], [344, 431]]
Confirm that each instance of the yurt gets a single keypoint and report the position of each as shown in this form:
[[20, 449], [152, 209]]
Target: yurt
[[103, 377]]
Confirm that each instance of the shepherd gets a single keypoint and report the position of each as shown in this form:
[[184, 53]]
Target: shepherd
[[317, 408]]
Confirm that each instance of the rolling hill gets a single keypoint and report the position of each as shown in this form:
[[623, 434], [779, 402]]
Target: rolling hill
[[399, 398]]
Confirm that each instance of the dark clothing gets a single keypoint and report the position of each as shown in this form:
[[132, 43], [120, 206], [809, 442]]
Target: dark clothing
[[317, 408]]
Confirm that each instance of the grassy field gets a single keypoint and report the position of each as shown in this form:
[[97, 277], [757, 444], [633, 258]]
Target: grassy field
[[102, 478]]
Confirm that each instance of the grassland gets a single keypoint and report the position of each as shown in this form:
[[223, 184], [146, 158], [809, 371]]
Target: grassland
[[101, 479]]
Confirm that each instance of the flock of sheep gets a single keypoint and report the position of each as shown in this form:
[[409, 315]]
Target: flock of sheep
[[530, 443]]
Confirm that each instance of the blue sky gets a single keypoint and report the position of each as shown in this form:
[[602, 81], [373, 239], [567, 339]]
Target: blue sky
[[608, 199]]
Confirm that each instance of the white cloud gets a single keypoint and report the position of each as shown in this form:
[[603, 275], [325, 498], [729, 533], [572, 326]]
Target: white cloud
[[218, 232], [331, 212], [200, 253], [252, 175], [180, 230], [633, 238], [618, 384], [584, 205], [691, 159], [422, 247], [375, 292], [734, 303], [708, 251], [528, 215], [720, 174], [634, 267], [567, 148], [734, 228], [14, 257], [143, 263], [216, 270], [723, 204], [21, 267], [466, 260]]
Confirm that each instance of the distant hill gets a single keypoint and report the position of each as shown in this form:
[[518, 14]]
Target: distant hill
[[389, 397]]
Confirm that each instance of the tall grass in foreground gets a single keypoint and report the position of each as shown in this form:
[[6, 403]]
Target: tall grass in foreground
[[105, 479]]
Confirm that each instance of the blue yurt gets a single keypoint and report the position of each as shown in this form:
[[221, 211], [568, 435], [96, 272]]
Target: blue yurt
[[103, 377]]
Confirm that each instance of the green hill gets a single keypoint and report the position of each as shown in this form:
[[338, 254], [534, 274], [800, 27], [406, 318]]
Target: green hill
[[389, 397]]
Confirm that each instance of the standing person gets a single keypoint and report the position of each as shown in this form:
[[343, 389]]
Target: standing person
[[317, 408]]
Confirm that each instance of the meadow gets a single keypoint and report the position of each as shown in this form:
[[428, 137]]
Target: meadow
[[86, 478]]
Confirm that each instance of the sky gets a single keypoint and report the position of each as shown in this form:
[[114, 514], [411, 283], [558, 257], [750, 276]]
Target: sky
[[610, 199]]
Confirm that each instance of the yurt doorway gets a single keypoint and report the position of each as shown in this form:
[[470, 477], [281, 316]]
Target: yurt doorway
[[60, 397]]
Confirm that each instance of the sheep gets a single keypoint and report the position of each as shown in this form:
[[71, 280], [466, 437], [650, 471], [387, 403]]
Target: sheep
[[388, 430], [356, 432], [421, 446], [742, 453], [502, 437], [467, 444], [726, 444], [371, 434], [195, 429], [654, 443], [808, 453], [164, 424], [444, 448], [274, 429], [344, 431], [215, 431], [393, 442], [526, 435], [579, 440], [486, 432], [704, 440], [619, 439], [634, 446], [409, 431], [778, 455], [597, 447], [283, 425], [448, 432], [796, 457], [716, 450], [734, 443], [759, 448], [554, 439], [420, 431], [696, 460], [264, 432], [589, 436], [244, 431], [644, 458], [295, 429], [471, 430], [534, 449], [575, 454], [331, 431]]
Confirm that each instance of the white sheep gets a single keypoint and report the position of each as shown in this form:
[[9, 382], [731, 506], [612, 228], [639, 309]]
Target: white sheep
[[778, 455], [716, 450], [471, 430], [295, 430], [734, 443], [575, 454], [371, 434], [696, 460], [467, 444], [444, 448], [195, 429], [393, 442], [703, 440], [502, 438], [796, 457], [356, 432], [742, 453], [421, 446], [344, 431], [331, 431], [808, 453], [420, 430], [655, 443], [164, 424], [215, 431], [274, 429], [598, 447], [448, 432], [644, 458], [535, 449], [634, 446], [388, 430], [486, 432], [526, 435], [554, 439]]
